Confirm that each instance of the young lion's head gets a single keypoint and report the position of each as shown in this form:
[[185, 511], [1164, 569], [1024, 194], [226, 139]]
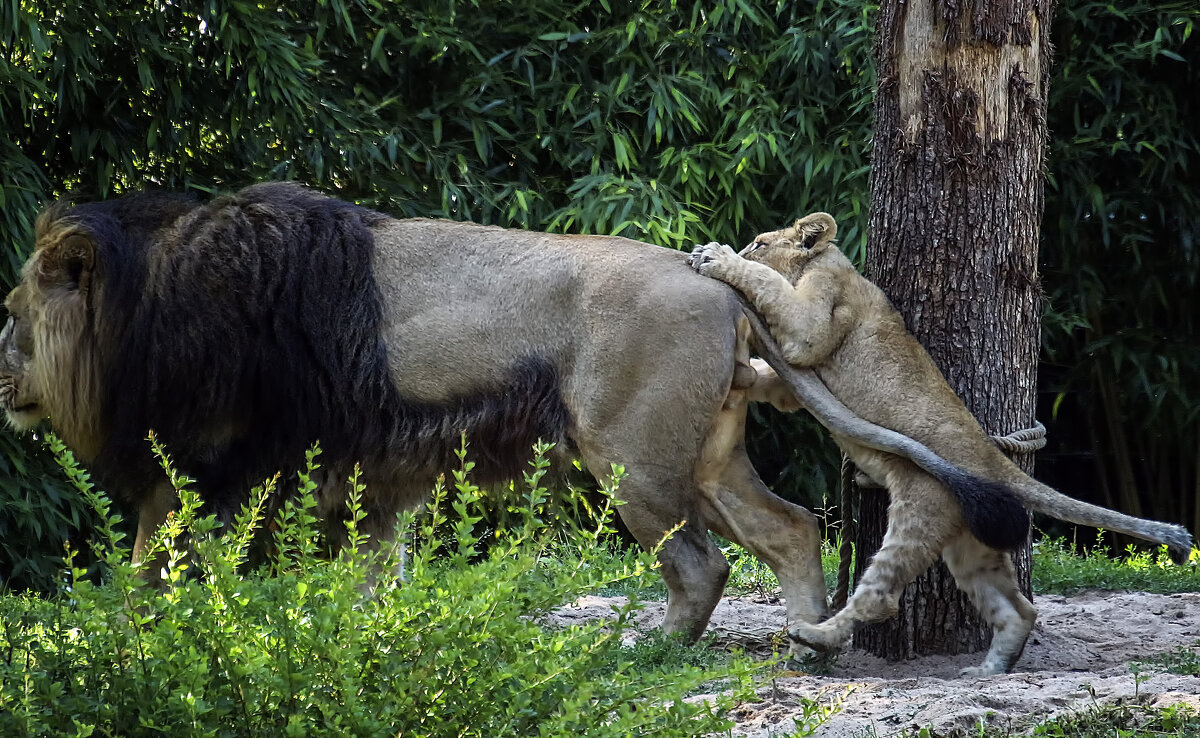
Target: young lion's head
[[787, 251]]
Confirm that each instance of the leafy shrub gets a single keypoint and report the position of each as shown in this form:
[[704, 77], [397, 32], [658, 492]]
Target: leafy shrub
[[1125, 721], [38, 514], [296, 648], [1057, 569]]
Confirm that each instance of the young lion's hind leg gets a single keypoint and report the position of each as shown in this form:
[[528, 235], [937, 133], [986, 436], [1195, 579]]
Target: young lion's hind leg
[[990, 581], [918, 526]]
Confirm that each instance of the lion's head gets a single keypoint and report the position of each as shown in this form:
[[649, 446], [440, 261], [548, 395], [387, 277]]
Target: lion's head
[[19, 395], [47, 367], [57, 351]]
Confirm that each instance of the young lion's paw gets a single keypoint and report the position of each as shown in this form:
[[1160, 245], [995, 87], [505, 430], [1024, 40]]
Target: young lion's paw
[[816, 636], [979, 671], [712, 258]]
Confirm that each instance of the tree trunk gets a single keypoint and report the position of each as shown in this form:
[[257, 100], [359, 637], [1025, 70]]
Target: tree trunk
[[956, 203]]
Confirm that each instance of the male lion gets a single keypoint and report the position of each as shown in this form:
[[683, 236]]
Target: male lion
[[245, 329], [830, 320]]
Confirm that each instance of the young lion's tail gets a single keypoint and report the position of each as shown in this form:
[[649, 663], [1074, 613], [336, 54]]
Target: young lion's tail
[[990, 509], [1050, 501]]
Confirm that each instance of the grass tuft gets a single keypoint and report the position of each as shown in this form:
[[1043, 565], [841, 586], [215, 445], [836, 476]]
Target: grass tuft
[[1183, 660], [1058, 570], [1123, 721]]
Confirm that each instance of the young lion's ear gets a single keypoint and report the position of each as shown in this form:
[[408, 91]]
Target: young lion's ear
[[814, 232], [68, 261]]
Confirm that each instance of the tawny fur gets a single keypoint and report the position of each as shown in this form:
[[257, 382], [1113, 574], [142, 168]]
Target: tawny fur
[[830, 320]]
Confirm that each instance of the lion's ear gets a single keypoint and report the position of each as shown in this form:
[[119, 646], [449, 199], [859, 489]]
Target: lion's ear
[[815, 232], [69, 262]]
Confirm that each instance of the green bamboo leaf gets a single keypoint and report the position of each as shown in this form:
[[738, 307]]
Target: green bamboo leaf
[[481, 141], [377, 46], [621, 84]]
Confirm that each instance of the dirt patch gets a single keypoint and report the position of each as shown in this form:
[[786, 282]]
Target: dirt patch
[[1078, 656]]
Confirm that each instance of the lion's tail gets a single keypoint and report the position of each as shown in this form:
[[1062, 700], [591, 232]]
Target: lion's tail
[[1047, 500]]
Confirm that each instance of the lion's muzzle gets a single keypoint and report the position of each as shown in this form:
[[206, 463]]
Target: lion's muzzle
[[12, 368]]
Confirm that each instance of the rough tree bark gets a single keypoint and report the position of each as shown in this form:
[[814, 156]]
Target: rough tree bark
[[960, 132]]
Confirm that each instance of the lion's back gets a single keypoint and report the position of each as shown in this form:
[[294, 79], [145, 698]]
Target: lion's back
[[468, 298]]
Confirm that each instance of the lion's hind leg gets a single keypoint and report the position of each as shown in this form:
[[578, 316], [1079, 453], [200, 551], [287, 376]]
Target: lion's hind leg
[[691, 565], [739, 507], [918, 527], [990, 581], [784, 536]]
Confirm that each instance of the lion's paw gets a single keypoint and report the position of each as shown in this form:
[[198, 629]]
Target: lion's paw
[[711, 258]]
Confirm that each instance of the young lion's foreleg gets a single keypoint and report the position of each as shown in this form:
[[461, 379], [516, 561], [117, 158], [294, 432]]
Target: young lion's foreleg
[[808, 324], [918, 527]]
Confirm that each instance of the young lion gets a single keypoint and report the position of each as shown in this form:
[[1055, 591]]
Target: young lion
[[828, 318]]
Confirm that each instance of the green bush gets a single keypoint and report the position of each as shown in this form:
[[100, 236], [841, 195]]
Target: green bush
[[1057, 569], [296, 648], [38, 514]]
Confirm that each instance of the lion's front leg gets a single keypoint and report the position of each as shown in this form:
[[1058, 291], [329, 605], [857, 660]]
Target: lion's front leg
[[151, 515]]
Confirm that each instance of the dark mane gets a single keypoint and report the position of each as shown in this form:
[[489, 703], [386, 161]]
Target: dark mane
[[243, 330]]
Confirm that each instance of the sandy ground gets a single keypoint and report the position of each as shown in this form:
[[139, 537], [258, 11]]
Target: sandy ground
[[1078, 656]]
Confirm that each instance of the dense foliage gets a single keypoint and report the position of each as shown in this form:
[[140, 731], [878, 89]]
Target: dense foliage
[[297, 648], [673, 123], [1121, 245]]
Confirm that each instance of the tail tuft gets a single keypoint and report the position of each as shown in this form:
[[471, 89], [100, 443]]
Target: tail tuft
[[992, 511], [1179, 543]]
